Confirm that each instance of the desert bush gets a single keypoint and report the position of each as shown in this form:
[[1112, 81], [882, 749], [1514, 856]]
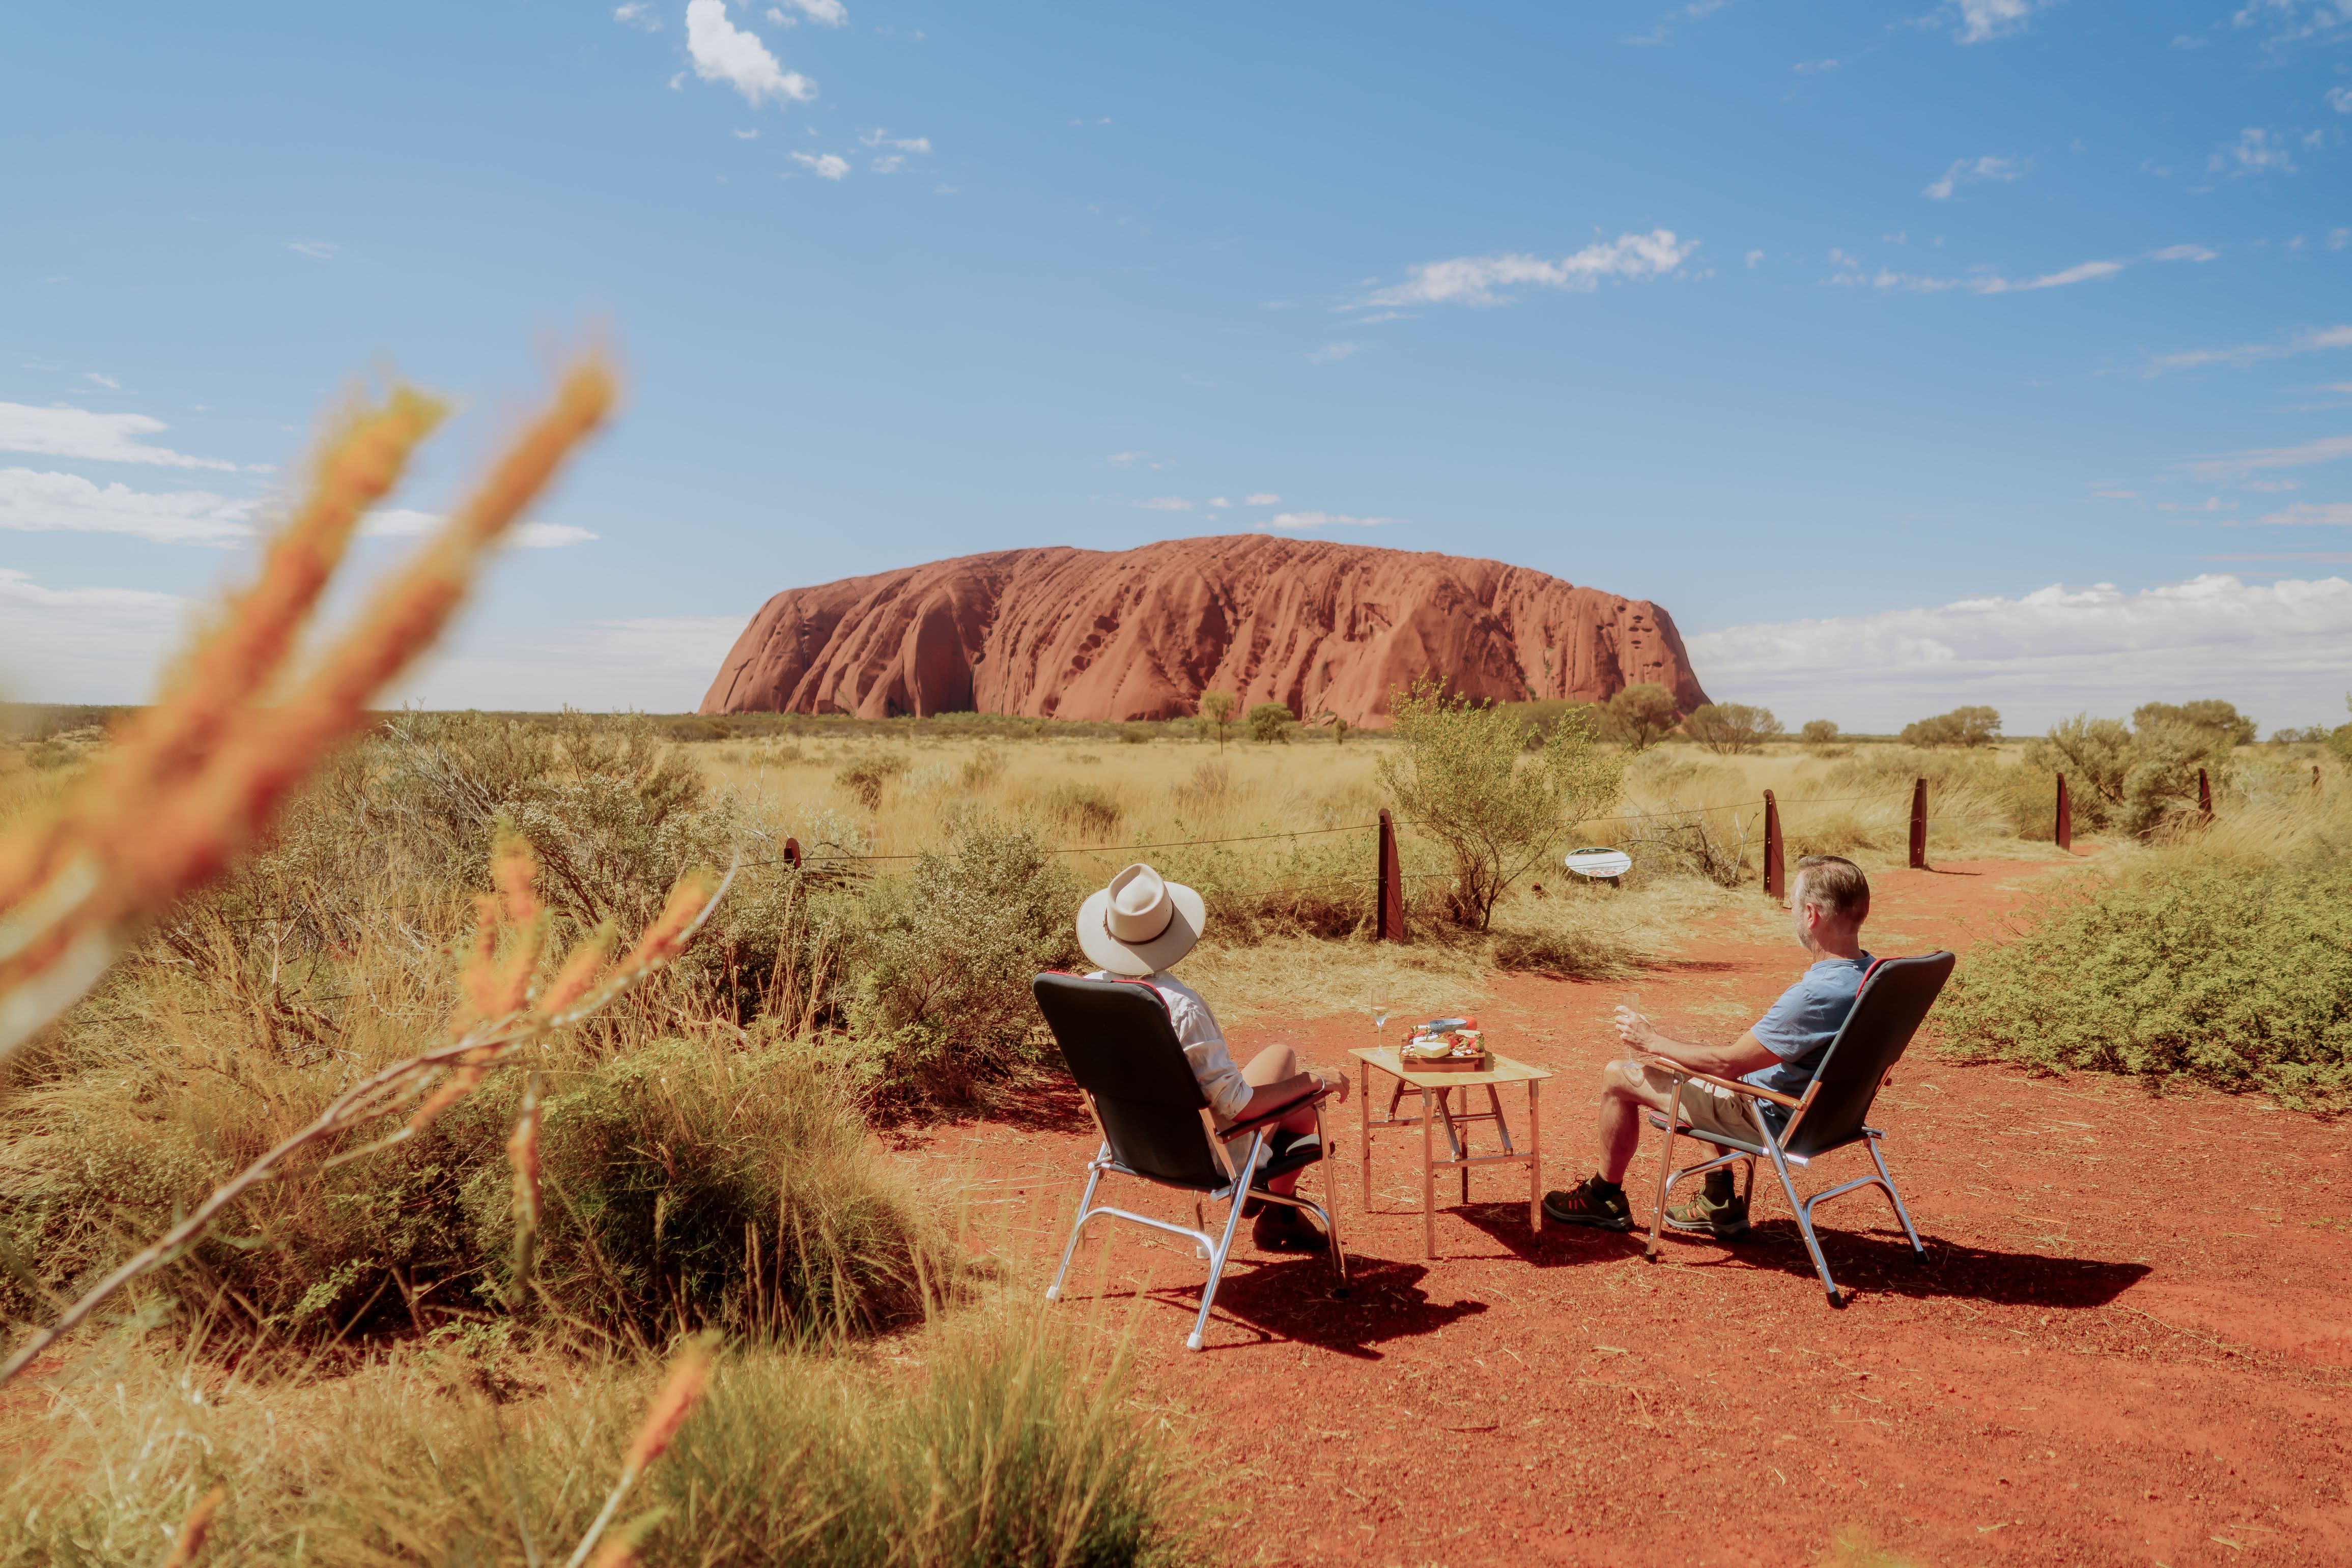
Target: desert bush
[[1460, 776], [2210, 714], [940, 1006], [1638, 715], [2187, 965], [729, 1187], [1271, 722], [1015, 1450], [1728, 729], [1210, 786], [1137, 733], [691, 1185], [982, 767], [1089, 811], [2139, 778], [1819, 732], [867, 778], [1961, 726]]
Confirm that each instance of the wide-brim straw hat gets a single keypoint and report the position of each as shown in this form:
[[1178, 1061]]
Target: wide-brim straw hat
[[1141, 923]]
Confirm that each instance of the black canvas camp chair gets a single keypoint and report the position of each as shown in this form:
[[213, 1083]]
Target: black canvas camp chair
[[1157, 1125], [1894, 997]]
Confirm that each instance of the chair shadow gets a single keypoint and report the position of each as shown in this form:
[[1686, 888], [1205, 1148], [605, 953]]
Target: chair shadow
[[1882, 1261], [1292, 1299], [1870, 1260]]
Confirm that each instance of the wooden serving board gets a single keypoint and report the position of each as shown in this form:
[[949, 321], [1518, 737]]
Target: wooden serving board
[[1483, 1062]]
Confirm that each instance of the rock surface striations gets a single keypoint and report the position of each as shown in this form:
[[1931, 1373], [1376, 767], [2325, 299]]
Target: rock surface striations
[[1141, 633]]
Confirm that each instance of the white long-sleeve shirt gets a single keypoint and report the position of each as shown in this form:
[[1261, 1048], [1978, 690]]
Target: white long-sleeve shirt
[[1212, 1060]]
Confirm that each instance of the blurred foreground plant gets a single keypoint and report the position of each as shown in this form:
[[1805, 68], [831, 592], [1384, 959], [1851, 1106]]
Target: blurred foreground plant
[[195, 780]]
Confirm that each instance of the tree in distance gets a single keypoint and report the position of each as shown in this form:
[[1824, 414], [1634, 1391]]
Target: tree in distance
[[1819, 732], [1961, 726], [1271, 722], [1218, 708], [2206, 713], [1729, 729], [1465, 774], [1639, 714]]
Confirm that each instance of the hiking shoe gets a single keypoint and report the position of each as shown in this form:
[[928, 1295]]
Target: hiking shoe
[[1707, 1214], [1282, 1228], [1587, 1204]]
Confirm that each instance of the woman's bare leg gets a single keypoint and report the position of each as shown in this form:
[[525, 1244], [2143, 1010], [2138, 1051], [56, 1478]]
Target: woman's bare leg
[[1272, 1065]]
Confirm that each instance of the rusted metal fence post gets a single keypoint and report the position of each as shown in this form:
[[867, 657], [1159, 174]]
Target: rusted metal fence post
[[793, 851], [2314, 778], [1388, 917], [1918, 824], [2204, 797], [1775, 867], [2065, 829]]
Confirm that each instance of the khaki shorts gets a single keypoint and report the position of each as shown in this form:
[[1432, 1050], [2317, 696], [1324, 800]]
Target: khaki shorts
[[1703, 1106]]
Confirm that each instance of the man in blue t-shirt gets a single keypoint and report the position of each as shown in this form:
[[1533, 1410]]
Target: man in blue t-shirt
[[1828, 904]]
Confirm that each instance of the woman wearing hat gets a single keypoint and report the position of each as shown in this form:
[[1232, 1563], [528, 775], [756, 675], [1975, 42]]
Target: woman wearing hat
[[1137, 929]]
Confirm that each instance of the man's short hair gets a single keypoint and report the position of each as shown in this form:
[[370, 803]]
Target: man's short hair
[[1834, 886]]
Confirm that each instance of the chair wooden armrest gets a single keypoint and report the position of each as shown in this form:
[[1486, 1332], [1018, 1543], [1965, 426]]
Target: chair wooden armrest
[[1268, 1119], [1749, 1090]]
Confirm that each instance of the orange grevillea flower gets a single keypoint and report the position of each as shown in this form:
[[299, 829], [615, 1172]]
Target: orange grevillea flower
[[690, 1376]]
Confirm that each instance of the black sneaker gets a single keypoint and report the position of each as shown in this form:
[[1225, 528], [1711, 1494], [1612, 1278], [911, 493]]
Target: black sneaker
[[1282, 1228], [1707, 1215], [1588, 1204]]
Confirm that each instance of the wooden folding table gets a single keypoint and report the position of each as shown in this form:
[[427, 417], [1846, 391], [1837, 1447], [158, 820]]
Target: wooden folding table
[[1437, 1107]]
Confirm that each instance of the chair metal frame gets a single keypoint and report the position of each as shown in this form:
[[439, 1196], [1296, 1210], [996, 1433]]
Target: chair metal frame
[[1237, 1192], [1768, 1146]]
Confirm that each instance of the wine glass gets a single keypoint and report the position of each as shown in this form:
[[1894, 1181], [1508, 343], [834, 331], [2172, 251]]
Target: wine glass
[[1381, 1019]]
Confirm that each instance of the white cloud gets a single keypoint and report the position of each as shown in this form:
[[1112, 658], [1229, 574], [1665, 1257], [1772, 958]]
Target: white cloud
[[1853, 274], [1982, 19], [1121, 459], [824, 13], [1815, 68], [824, 166], [316, 249], [903, 144], [2252, 153], [1977, 171], [637, 14], [61, 430], [1324, 519], [2296, 22], [35, 502], [2335, 514], [2324, 450], [2339, 99], [1165, 504], [1755, 258], [399, 523], [1262, 499], [2117, 494], [1221, 501], [2277, 648], [1473, 279], [1698, 10], [109, 383], [723, 52], [747, 136], [1329, 352], [2248, 353], [84, 644]]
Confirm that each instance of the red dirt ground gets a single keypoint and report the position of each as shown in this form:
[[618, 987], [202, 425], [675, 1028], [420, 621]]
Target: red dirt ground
[[2130, 1343]]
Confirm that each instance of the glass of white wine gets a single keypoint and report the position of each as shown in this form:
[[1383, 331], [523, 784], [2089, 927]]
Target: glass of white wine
[[1381, 1019]]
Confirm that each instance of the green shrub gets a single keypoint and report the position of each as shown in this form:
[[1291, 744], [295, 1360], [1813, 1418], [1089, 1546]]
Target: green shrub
[[2138, 778], [1218, 708], [2232, 974], [1966, 727], [1271, 722], [1639, 716], [940, 1007], [1819, 732], [1461, 777], [1137, 733]]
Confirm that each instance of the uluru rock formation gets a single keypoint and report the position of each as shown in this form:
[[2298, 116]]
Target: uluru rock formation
[[1141, 633]]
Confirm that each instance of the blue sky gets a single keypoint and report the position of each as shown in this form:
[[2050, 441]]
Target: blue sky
[[1994, 350]]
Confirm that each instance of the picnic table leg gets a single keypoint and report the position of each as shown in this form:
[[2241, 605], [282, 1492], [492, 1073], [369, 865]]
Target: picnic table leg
[[1534, 1162], [1364, 1111], [1428, 1180]]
